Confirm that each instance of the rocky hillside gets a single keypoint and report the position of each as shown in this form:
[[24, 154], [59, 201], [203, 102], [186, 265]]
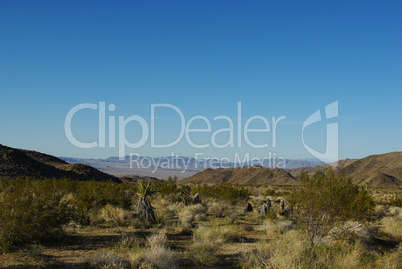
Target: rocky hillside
[[15, 163], [311, 170], [243, 175], [383, 170]]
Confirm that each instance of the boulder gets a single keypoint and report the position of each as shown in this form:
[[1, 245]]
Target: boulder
[[277, 205], [196, 199], [263, 209], [247, 208]]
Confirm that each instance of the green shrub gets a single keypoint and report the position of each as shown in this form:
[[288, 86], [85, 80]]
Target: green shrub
[[271, 192], [166, 188], [183, 195], [31, 210], [91, 196], [173, 192], [228, 192], [328, 198]]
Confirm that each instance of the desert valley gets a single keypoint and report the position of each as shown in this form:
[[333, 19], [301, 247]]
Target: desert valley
[[60, 215]]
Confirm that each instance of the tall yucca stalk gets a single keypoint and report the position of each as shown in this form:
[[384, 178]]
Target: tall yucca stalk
[[144, 208]]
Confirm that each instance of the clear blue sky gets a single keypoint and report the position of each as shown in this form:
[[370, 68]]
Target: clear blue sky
[[276, 57]]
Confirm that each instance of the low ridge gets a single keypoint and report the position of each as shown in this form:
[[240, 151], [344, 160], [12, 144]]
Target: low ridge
[[17, 163], [243, 175], [382, 170], [311, 170]]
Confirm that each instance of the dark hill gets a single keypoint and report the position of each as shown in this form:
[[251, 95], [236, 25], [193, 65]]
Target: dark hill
[[16, 163], [243, 175]]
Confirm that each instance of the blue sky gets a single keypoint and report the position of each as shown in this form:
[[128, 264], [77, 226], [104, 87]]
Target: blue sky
[[275, 57]]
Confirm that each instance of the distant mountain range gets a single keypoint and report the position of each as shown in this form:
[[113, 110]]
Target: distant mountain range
[[383, 170], [182, 167]]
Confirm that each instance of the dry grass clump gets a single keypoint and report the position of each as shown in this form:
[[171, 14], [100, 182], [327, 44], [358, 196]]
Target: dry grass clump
[[110, 214], [198, 209], [341, 256], [395, 211], [188, 214], [200, 217], [175, 207], [34, 251], [257, 257], [392, 225], [157, 255], [391, 260], [217, 208], [286, 251], [380, 211], [275, 228], [204, 253], [108, 260], [232, 217], [199, 212], [205, 249], [161, 257], [186, 217], [157, 240], [136, 223], [165, 208], [292, 250], [130, 241], [217, 234]]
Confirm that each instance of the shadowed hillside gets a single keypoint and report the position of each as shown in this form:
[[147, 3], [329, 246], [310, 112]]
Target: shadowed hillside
[[311, 170], [16, 163], [383, 170], [243, 175]]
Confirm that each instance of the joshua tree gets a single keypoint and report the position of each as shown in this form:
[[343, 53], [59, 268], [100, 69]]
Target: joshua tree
[[144, 208]]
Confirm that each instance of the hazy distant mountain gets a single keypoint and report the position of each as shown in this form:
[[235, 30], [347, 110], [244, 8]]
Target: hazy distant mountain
[[384, 170], [182, 167], [16, 163]]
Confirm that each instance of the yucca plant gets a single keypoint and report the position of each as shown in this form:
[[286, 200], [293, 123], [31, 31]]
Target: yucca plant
[[160, 219], [145, 210]]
